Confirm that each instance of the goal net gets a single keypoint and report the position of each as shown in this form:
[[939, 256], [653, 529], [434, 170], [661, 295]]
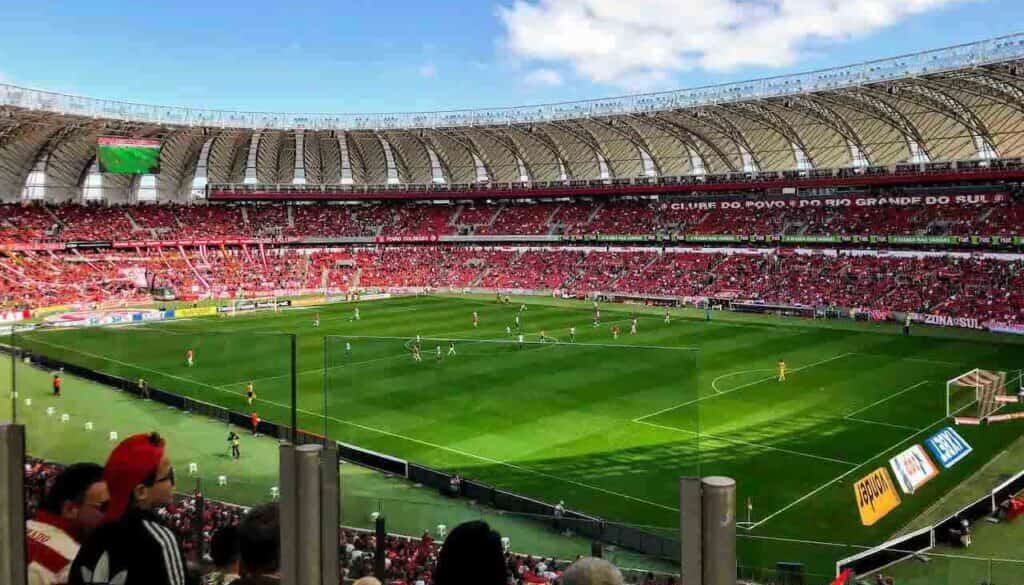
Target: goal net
[[240, 306], [978, 394]]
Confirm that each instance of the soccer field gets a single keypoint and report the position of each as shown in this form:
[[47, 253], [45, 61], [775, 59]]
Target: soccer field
[[606, 425]]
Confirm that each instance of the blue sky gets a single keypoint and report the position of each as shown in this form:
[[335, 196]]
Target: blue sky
[[366, 56]]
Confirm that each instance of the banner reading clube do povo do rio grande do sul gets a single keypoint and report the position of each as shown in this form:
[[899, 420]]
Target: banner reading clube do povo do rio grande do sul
[[876, 496], [948, 447]]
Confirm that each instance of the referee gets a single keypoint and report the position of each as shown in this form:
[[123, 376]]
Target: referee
[[234, 440]]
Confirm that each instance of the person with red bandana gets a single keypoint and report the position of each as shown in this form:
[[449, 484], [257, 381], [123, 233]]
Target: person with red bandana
[[134, 546]]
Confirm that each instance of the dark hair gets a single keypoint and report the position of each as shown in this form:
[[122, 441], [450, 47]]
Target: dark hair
[[70, 486], [471, 555], [259, 540], [224, 546]]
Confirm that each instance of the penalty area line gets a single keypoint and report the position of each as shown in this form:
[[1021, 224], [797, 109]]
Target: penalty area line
[[844, 475], [748, 443], [740, 387], [383, 432]]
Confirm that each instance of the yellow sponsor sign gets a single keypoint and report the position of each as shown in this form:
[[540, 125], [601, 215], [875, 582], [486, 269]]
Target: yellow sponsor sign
[[876, 496], [195, 312], [310, 301]]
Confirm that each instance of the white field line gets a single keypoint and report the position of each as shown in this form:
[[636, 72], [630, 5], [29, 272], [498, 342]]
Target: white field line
[[384, 432], [841, 477], [311, 371], [742, 442], [880, 423], [912, 359], [889, 397], [714, 383], [740, 387], [512, 341]]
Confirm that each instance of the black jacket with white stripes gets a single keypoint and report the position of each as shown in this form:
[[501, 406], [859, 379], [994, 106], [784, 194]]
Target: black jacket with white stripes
[[138, 549]]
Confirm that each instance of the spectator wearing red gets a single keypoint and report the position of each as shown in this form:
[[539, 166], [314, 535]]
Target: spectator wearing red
[[72, 510], [57, 382], [254, 420], [134, 547]]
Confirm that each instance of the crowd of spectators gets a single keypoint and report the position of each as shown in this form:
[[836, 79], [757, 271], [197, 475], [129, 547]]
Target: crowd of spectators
[[985, 288], [198, 540], [33, 223]]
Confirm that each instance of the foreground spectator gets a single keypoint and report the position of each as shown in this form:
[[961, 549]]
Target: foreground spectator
[[134, 547], [472, 555], [224, 552], [72, 509], [259, 546], [591, 571]]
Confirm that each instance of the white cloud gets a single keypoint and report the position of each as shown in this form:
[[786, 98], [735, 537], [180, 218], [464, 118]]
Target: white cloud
[[428, 70], [642, 43], [543, 76]]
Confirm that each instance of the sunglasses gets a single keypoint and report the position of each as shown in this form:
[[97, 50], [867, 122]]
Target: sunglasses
[[155, 480]]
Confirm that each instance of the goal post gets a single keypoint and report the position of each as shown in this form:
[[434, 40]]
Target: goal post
[[973, 396], [267, 303]]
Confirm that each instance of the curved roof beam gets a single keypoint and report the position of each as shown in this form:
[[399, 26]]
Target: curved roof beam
[[930, 96], [468, 144], [510, 144], [723, 125], [429, 145], [675, 132], [629, 133], [538, 133], [584, 136], [401, 168], [682, 133], [764, 115], [870, 104], [823, 113]]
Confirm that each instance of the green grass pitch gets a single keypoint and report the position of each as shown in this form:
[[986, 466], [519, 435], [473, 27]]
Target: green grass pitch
[[606, 425]]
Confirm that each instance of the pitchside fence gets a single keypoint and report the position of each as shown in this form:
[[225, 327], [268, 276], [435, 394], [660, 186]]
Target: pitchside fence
[[215, 387], [946, 531]]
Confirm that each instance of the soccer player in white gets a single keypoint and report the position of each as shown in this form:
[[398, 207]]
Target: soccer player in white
[[632, 327], [508, 330], [517, 321], [419, 339], [437, 353], [522, 308], [520, 340], [572, 334], [668, 318], [316, 320], [356, 313], [348, 348], [451, 348], [416, 353], [189, 355], [476, 319]]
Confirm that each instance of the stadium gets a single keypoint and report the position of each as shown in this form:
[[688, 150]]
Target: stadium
[[551, 317]]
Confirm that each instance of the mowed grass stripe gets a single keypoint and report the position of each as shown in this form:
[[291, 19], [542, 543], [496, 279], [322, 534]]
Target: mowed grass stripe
[[568, 418]]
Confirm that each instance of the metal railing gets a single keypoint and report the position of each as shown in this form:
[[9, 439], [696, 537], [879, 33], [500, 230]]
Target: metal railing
[[985, 52]]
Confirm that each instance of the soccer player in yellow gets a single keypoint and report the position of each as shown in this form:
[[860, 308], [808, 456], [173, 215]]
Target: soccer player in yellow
[[782, 371], [250, 393]]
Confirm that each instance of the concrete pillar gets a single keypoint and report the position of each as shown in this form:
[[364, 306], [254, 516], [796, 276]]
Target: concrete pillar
[[691, 538], [719, 527], [12, 504], [307, 467]]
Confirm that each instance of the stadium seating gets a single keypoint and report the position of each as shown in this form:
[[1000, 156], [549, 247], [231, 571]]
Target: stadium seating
[[34, 223]]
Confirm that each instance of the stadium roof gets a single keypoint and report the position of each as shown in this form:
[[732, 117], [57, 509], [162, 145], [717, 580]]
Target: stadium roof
[[956, 103]]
